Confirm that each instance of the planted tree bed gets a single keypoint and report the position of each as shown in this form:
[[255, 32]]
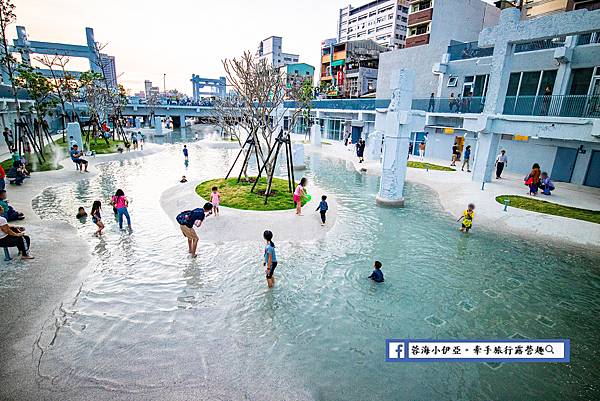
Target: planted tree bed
[[238, 196]]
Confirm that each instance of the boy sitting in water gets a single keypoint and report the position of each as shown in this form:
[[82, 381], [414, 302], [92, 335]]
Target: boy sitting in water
[[377, 275], [81, 213], [467, 218]]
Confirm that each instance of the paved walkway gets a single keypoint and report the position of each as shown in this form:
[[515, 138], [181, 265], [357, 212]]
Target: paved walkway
[[456, 190]]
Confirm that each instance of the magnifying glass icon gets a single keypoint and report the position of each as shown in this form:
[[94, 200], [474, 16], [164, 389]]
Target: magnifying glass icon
[[549, 349]]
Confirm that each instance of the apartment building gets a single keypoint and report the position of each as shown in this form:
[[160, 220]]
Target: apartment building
[[538, 8], [436, 20], [383, 21], [270, 49]]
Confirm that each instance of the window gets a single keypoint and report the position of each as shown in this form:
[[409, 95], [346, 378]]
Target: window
[[418, 30], [452, 81], [580, 81], [530, 83]]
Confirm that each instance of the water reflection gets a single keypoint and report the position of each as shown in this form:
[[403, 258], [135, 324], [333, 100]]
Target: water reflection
[[154, 316]]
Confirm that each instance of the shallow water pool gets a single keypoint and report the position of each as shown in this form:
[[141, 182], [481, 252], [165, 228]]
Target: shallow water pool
[[150, 323]]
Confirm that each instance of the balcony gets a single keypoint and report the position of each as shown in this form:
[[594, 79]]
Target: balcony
[[555, 106], [539, 45], [326, 59], [417, 40], [420, 16], [472, 104], [464, 51]]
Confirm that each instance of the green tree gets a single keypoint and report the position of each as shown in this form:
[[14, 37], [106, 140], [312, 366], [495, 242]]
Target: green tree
[[40, 89]]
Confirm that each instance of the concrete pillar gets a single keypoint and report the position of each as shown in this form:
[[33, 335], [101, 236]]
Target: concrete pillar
[[22, 40], [91, 43], [563, 55], [397, 135], [137, 122], [74, 130], [501, 64], [315, 135], [486, 151], [298, 156], [158, 125]]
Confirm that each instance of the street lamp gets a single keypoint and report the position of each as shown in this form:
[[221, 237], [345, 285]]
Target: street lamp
[[165, 84]]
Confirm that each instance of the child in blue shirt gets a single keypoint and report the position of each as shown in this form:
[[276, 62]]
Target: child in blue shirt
[[322, 208], [377, 275]]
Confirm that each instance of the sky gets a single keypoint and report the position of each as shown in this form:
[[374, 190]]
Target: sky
[[179, 38]]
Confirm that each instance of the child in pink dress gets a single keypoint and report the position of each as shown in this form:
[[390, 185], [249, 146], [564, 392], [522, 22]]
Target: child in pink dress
[[215, 199]]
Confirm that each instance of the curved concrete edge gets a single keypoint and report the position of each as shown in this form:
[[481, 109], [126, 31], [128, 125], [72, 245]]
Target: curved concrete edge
[[248, 225], [38, 287], [389, 202]]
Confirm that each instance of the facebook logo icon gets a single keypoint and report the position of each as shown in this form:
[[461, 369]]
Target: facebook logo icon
[[395, 350]]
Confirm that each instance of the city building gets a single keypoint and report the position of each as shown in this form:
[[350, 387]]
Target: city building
[[349, 69], [151, 90], [383, 21], [107, 63], [538, 8], [270, 49], [436, 21], [297, 73]]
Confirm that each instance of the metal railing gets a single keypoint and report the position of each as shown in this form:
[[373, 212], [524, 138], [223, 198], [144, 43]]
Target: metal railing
[[557, 106], [345, 104], [539, 45], [588, 38], [467, 104], [464, 51]]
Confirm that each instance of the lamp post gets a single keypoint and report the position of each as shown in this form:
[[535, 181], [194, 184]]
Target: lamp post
[[165, 84]]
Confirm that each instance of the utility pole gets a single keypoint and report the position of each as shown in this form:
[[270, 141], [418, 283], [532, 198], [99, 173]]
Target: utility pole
[[165, 84]]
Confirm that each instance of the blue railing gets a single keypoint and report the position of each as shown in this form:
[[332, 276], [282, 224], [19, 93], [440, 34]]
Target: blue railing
[[464, 51], [344, 104], [558, 106], [467, 104]]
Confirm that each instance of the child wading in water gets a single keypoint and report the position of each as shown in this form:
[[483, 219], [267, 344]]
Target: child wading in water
[[97, 217], [377, 275], [215, 199], [81, 213], [467, 218], [322, 208], [298, 194], [270, 262]]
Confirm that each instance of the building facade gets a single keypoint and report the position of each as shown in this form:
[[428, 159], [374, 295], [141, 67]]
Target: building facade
[[270, 49], [383, 21], [109, 69], [297, 73], [436, 21], [350, 69]]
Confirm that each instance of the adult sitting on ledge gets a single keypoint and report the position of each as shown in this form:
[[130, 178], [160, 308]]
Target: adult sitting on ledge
[[76, 157], [14, 236], [10, 214]]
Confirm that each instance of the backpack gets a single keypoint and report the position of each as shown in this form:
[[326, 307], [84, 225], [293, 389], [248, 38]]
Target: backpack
[[184, 218]]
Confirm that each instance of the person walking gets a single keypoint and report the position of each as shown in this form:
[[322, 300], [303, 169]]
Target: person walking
[[121, 203], [466, 158], [8, 138], [189, 219], [501, 163], [185, 153], [454, 154], [431, 106], [451, 102], [360, 150], [298, 194], [322, 209], [422, 150], [270, 256]]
